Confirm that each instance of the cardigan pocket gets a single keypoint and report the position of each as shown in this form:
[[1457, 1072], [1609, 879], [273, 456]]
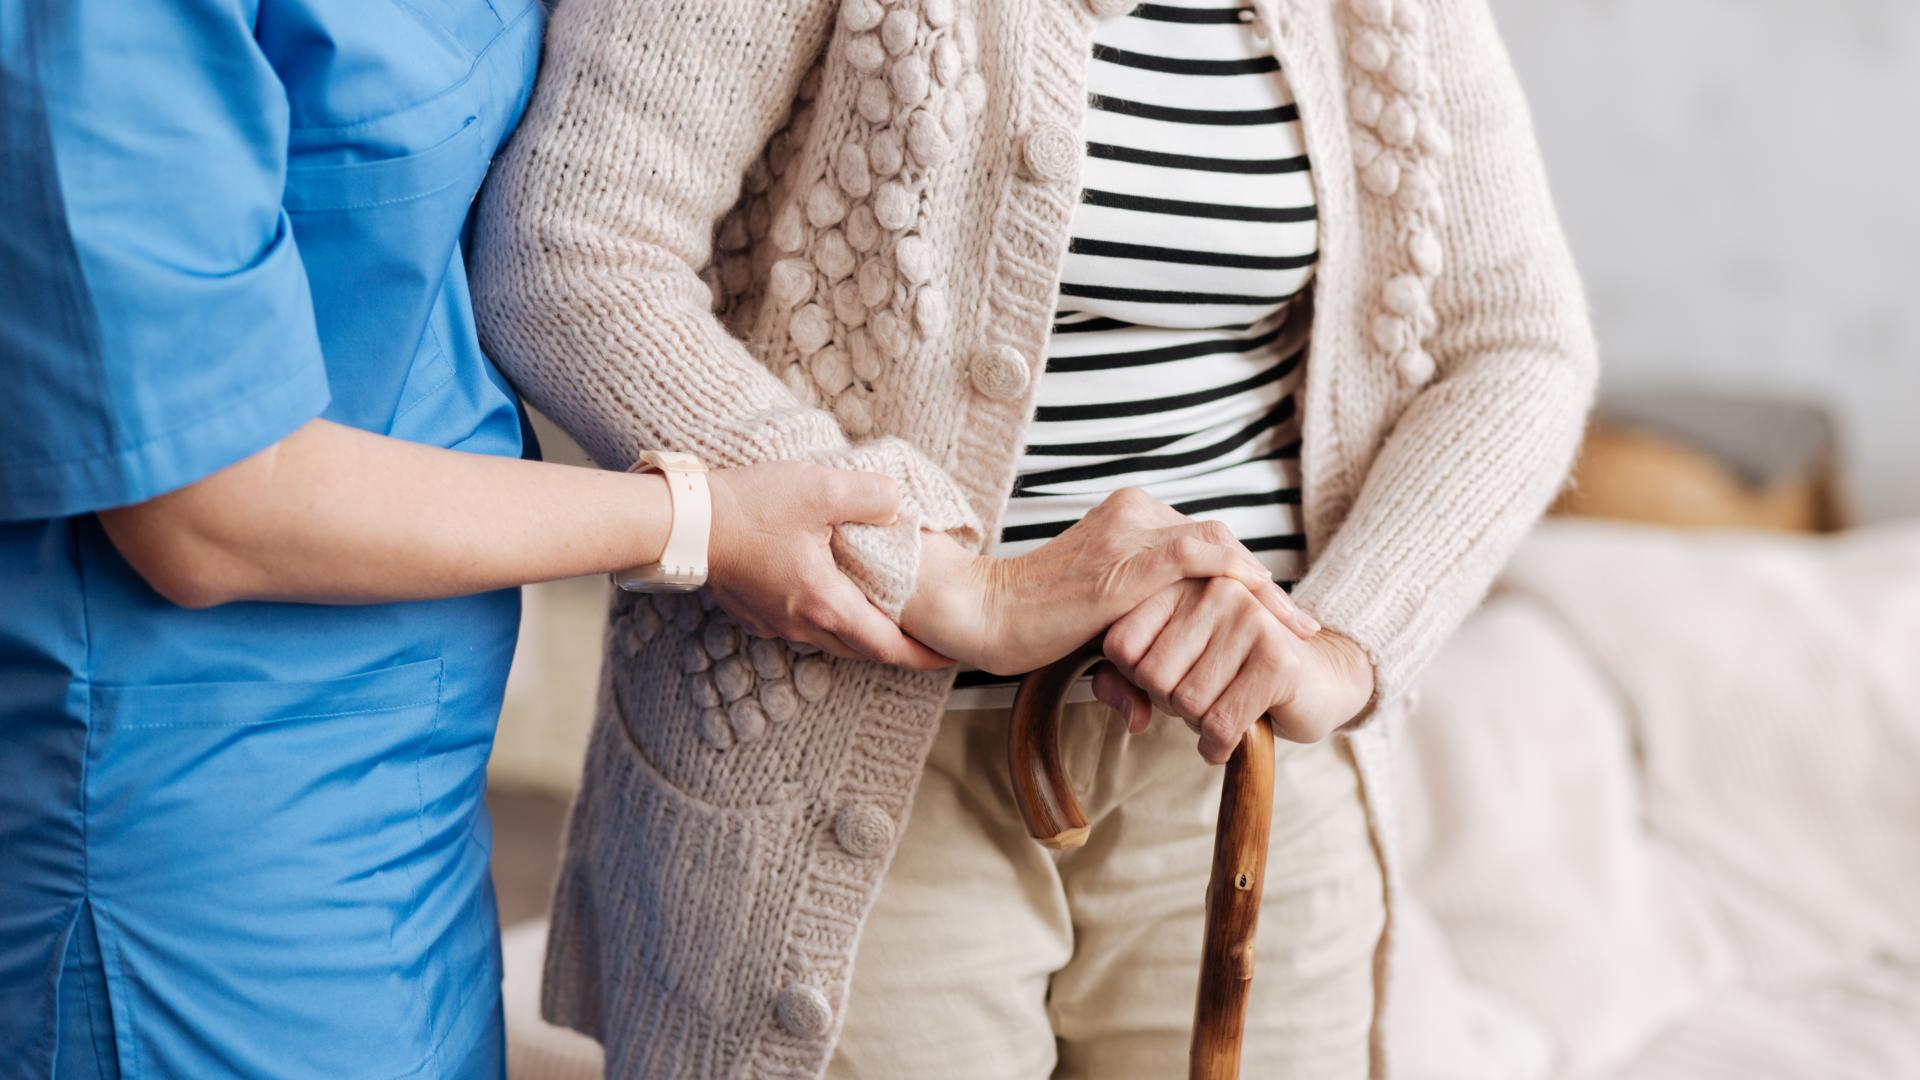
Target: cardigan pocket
[[641, 850]]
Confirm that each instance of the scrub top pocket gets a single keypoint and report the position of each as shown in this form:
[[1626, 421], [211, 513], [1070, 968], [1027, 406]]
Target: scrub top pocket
[[400, 219], [234, 824], [373, 183]]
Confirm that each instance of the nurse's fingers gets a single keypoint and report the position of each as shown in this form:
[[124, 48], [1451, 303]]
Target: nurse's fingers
[[850, 617], [864, 497]]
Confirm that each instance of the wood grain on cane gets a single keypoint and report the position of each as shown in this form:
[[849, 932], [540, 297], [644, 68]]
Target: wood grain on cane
[[1233, 907]]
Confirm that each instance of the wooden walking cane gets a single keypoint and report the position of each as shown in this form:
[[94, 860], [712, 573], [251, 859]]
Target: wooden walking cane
[[1054, 817]]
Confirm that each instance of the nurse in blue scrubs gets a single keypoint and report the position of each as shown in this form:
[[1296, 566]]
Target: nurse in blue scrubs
[[262, 505]]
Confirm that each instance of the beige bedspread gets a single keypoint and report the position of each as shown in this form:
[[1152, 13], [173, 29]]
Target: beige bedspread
[[1663, 802]]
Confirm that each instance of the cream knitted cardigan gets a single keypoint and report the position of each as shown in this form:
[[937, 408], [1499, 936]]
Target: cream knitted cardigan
[[758, 229]]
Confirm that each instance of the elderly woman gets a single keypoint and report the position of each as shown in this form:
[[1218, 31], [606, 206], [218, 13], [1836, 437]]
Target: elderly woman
[[1070, 272]]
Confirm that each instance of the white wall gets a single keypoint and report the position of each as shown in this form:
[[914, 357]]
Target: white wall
[[1741, 183]]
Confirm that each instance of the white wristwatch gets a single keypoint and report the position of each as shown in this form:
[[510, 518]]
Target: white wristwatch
[[683, 563]]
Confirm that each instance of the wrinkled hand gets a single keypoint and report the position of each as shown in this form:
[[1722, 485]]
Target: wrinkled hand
[[1010, 615], [771, 568], [1212, 654]]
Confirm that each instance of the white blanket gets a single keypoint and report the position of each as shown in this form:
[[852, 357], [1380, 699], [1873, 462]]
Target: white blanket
[[1662, 798]]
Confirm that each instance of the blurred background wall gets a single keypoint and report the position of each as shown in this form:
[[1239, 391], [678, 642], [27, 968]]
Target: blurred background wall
[[1740, 180], [1741, 185]]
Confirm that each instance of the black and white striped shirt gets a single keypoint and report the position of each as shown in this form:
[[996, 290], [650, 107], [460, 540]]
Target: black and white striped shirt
[[1173, 365]]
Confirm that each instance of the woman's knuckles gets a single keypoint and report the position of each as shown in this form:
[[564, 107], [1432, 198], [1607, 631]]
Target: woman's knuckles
[[1224, 598], [1190, 701], [1126, 645], [1156, 672], [1192, 553]]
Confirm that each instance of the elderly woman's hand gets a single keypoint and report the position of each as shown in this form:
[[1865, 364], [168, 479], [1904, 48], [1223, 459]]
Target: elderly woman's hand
[[1212, 654], [1010, 615]]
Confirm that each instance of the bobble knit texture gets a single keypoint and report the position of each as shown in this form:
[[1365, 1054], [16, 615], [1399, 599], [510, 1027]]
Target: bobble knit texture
[[764, 229]]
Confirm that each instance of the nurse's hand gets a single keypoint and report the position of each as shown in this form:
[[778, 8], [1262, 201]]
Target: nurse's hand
[[771, 568]]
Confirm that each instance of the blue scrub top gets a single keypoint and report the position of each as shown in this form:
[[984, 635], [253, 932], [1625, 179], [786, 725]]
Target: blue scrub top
[[245, 841]]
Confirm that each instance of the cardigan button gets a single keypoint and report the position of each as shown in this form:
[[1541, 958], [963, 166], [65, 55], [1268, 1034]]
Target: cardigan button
[[1106, 9], [863, 829], [1050, 152], [1000, 373], [803, 1012]]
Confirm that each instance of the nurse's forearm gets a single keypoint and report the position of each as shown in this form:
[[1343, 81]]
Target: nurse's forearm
[[333, 514]]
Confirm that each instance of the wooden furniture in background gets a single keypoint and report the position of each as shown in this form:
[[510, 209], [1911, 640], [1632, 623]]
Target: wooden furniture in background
[[1710, 460]]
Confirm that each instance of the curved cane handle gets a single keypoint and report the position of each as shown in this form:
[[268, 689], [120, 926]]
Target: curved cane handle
[[1040, 786]]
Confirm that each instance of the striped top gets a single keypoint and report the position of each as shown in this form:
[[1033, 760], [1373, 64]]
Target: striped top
[[1173, 365]]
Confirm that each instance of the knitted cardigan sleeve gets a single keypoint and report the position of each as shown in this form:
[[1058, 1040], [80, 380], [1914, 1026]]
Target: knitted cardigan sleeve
[[1482, 448], [597, 221]]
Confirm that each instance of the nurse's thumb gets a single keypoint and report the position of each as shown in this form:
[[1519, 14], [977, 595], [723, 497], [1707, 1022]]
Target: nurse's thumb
[[864, 497]]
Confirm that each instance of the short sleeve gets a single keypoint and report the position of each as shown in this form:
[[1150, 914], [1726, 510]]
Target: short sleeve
[[157, 320]]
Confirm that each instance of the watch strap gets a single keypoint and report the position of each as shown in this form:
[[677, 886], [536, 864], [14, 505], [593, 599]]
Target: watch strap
[[686, 552], [683, 562]]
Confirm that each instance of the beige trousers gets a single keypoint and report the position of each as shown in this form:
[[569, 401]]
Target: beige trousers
[[988, 957]]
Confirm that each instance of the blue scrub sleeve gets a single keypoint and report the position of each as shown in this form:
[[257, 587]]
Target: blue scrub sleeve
[[155, 320]]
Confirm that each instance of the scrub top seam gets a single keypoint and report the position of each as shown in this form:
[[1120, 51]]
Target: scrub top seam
[[275, 719], [466, 77], [420, 827], [119, 1004], [446, 375], [83, 680], [64, 945], [395, 201], [132, 1049], [93, 1018]]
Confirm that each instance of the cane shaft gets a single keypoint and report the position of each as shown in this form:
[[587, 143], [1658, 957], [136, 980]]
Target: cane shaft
[[1233, 908]]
